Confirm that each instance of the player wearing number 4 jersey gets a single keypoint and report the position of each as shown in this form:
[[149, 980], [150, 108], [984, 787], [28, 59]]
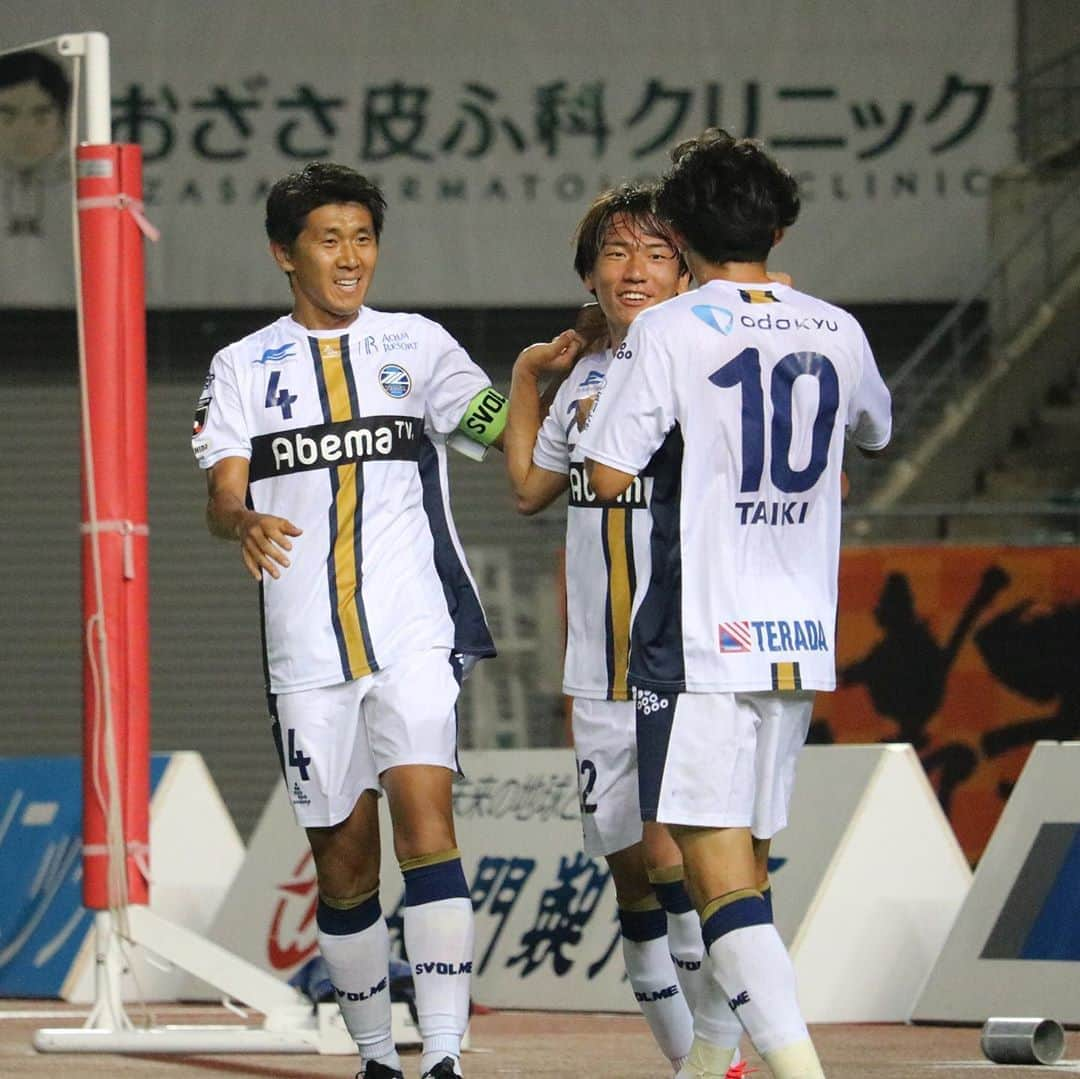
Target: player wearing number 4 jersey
[[736, 398], [324, 435]]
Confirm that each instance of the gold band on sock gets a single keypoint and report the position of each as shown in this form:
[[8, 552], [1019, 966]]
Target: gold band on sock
[[725, 900], [763, 888], [350, 902], [638, 906], [430, 859], [668, 874]]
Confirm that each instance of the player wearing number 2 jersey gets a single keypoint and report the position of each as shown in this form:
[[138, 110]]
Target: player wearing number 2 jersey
[[627, 259], [324, 438], [735, 398]]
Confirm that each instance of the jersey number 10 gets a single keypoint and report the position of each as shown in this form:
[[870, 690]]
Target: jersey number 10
[[744, 371]]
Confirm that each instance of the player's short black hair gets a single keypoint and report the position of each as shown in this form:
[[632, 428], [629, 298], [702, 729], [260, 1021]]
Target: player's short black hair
[[319, 183], [727, 197], [636, 201], [36, 67]]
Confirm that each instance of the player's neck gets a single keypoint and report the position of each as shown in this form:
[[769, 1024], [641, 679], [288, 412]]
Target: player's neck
[[745, 273]]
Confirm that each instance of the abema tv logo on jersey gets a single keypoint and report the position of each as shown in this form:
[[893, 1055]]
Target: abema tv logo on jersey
[[773, 635], [395, 380]]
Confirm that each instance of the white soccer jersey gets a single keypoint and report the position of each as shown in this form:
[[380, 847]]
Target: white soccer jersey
[[345, 434], [736, 398], [607, 545]]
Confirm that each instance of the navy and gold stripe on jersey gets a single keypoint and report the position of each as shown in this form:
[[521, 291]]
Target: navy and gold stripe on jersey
[[786, 677], [617, 539], [657, 637], [757, 295], [337, 395]]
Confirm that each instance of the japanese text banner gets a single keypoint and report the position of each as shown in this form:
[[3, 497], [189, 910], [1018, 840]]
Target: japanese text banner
[[490, 137]]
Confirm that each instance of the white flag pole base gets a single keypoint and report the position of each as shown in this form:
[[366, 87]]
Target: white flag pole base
[[291, 1025]]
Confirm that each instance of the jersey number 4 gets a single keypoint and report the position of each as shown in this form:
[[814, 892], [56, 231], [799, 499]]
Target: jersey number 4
[[744, 371]]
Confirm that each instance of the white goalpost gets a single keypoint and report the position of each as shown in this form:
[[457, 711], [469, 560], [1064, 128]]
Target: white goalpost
[[109, 233]]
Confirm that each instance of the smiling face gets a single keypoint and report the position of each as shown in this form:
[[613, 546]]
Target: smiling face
[[634, 270], [330, 265]]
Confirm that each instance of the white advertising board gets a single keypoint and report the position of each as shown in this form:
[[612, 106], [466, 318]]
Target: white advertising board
[[490, 135], [867, 880], [1015, 947]]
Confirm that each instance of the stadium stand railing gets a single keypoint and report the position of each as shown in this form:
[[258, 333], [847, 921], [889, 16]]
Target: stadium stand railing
[[1048, 105], [980, 329]]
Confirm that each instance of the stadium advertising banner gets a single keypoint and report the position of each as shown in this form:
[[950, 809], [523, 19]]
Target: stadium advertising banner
[[969, 654], [490, 128]]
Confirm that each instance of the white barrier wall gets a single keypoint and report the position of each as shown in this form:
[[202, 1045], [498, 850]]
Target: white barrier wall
[[867, 880], [1015, 948]]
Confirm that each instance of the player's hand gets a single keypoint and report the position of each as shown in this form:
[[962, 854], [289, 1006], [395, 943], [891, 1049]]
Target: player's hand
[[779, 277], [554, 357], [591, 327], [264, 539]]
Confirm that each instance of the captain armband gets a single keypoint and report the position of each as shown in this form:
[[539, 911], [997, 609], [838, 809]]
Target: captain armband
[[485, 417]]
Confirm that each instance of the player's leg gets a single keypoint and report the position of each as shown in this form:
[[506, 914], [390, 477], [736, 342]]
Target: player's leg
[[332, 783], [611, 828], [717, 1030], [413, 730], [701, 781]]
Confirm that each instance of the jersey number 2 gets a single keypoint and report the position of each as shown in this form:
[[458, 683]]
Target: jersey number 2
[[744, 371]]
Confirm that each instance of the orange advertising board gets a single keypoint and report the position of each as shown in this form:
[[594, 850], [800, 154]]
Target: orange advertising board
[[969, 653]]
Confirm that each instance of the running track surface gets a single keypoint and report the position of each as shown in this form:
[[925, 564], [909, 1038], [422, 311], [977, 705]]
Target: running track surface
[[510, 1044]]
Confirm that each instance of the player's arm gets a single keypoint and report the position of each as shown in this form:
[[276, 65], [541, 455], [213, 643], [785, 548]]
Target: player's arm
[[263, 538], [534, 487], [607, 482]]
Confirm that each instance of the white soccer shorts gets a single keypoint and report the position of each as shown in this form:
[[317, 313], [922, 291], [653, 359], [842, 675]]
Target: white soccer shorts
[[720, 760], [606, 751], [335, 741]]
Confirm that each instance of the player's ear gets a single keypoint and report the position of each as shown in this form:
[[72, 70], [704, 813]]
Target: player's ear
[[282, 257], [777, 236]]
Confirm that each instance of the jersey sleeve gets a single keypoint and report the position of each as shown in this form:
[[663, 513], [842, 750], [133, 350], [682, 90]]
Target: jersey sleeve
[[636, 408], [220, 429], [455, 381], [552, 449], [869, 419]]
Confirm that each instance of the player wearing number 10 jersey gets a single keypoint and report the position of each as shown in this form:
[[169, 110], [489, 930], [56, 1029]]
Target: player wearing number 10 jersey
[[736, 398]]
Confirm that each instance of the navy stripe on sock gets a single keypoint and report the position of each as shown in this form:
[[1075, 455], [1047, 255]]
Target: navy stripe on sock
[[643, 925], [767, 896], [342, 923], [673, 896], [750, 910], [429, 883]]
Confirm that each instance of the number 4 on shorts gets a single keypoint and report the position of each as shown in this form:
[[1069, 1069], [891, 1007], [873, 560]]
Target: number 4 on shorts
[[297, 759]]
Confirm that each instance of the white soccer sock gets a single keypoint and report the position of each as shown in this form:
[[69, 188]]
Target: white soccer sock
[[656, 987], [359, 966], [688, 953], [439, 940], [754, 970]]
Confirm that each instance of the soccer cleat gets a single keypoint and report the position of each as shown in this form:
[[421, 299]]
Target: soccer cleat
[[443, 1070], [739, 1071], [375, 1070]]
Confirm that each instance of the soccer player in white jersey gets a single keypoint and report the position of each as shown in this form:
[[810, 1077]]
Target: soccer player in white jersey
[[324, 438], [735, 397], [626, 257]]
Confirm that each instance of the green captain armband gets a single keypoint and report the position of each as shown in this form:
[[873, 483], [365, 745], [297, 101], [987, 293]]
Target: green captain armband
[[485, 417]]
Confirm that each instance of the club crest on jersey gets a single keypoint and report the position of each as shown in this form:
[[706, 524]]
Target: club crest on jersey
[[277, 355], [583, 410], [395, 380], [716, 318]]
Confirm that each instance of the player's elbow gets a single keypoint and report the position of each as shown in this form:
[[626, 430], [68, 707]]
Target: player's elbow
[[528, 504]]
